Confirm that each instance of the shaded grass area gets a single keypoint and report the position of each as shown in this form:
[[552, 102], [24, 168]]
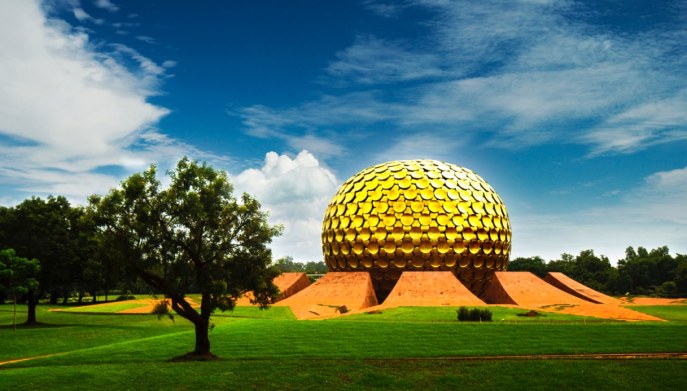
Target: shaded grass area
[[356, 374], [112, 307], [404, 348], [448, 314], [673, 313]]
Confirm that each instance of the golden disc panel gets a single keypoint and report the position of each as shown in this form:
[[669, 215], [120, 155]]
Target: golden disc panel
[[417, 215]]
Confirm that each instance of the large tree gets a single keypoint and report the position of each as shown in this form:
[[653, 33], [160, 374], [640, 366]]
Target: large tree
[[193, 235], [42, 229], [18, 277]]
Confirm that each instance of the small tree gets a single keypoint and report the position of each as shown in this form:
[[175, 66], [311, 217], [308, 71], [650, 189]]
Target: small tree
[[18, 277], [192, 236]]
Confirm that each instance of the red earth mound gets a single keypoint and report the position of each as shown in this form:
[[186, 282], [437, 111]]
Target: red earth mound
[[526, 289], [333, 294], [428, 288], [288, 284], [568, 285]]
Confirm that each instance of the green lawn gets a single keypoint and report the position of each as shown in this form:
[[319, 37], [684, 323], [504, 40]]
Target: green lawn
[[404, 348], [674, 313], [448, 314]]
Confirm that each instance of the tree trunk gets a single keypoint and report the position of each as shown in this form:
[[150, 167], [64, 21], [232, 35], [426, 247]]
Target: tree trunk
[[202, 337], [31, 303], [53, 297]]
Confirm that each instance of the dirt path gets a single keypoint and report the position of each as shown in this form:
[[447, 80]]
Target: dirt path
[[581, 356], [27, 359]]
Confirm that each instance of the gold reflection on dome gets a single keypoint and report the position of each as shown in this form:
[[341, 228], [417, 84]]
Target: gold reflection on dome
[[417, 215]]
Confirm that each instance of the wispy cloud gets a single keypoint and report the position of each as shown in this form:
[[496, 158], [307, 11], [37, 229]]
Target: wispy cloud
[[67, 111], [372, 60], [652, 214], [106, 4], [517, 75]]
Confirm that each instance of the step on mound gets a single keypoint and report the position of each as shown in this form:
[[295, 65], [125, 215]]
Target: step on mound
[[427, 288], [288, 283], [567, 284], [527, 290], [330, 294]]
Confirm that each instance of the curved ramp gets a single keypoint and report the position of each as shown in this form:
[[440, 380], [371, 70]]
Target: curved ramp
[[567, 284], [329, 294], [288, 284], [526, 289], [428, 288]]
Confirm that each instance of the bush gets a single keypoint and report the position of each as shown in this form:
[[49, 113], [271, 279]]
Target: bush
[[474, 314], [125, 297]]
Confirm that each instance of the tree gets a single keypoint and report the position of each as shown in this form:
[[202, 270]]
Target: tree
[[287, 265], [193, 235], [42, 229], [18, 277], [534, 264]]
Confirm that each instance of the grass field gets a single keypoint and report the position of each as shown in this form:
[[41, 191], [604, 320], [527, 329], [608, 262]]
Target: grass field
[[403, 348]]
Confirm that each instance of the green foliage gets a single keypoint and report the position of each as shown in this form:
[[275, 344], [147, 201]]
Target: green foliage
[[536, 265], [18, 277], [191, 236], [474, 314], [287, 265], [161, 309]]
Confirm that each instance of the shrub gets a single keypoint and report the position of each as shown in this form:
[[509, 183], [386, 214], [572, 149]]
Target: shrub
[[474, 314]]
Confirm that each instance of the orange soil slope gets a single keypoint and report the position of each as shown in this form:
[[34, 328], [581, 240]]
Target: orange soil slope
[[567, 284], [288, 284], [427, 288], [652, 301], [606, 311], [526, 289], [334, 290], [148, 304]]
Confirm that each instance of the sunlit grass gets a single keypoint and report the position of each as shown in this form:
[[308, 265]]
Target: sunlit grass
[[404, 348]]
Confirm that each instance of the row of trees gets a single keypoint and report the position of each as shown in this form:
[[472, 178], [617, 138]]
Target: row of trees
[[191, 236], [641, 272], [75, 259], [288, 265]]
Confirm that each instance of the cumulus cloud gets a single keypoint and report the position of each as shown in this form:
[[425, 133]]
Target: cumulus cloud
[[296, 191], [67, 110]]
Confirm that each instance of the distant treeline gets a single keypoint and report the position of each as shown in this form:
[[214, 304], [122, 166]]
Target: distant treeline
[[77, 260], [641, 272]]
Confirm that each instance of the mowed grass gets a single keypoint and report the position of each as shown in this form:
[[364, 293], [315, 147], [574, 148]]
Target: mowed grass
[[674, 313], [405, 348], [449, 314]]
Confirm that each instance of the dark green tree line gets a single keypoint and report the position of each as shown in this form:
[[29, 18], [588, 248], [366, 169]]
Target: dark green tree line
[[641, 272]]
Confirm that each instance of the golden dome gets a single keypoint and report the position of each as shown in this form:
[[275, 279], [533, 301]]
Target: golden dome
[[417, 215]]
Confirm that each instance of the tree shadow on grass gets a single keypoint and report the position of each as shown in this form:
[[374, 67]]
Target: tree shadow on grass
[[37, 325]]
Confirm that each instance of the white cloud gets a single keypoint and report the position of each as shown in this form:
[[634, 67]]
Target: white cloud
[[372, 60], [106, 4], [515, 75], [67, 110], [421, 146], [296, 191], [653, 214]]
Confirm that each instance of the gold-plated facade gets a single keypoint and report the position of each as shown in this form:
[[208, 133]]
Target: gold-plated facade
[[417, 215]]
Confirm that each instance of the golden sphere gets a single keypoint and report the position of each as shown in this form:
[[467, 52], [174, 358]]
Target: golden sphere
[[417, 215]]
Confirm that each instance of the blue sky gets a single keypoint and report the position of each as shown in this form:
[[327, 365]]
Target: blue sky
[[574, 111]]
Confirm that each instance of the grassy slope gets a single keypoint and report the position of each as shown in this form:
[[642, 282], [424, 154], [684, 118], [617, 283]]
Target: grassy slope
[[122, 352]]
